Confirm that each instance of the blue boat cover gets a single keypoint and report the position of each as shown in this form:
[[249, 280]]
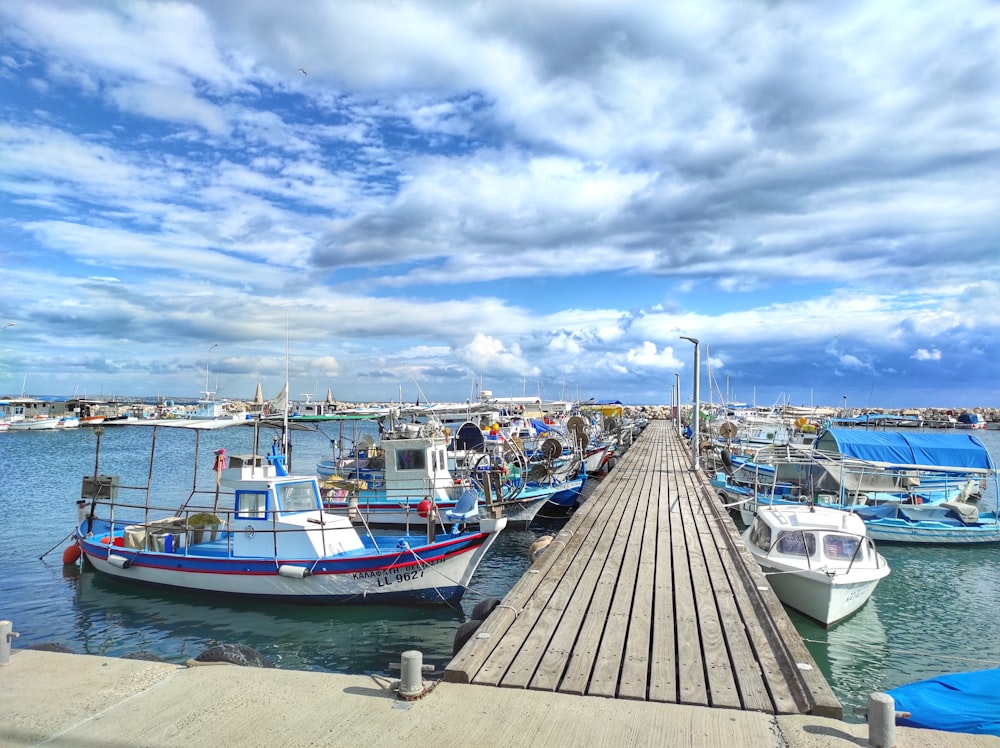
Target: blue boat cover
[[899, 448], [958, 702]]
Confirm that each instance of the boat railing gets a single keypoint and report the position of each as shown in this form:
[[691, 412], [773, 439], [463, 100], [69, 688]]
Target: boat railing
[[863, 542], [868, 543], [177, 533]]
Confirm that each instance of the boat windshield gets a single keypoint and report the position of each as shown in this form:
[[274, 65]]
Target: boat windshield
[[760, 534], [297, 497], [797, 543], [840, 546]]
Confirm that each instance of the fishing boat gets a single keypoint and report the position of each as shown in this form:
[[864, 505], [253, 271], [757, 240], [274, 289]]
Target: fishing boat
[[956, 702], [37, 423], [940, 480], [411, 480], [818, 560], [265, 534], [907, 487]]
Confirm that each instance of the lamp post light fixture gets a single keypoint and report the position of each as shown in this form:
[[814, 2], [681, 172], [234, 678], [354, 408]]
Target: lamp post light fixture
[[9, 324], [694, 409]]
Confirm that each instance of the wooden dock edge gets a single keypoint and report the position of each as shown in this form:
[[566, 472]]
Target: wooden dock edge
[[800, 669]]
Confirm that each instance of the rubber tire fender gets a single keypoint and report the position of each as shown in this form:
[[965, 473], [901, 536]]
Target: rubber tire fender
[[464, 633]]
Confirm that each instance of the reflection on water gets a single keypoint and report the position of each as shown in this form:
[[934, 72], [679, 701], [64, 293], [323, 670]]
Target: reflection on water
[[117, 619]]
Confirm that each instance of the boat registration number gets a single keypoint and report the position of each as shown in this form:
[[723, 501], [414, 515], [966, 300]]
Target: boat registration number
[[389, 578]]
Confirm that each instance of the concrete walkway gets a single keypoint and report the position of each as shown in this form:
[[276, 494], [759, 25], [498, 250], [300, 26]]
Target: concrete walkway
[[88, 701]]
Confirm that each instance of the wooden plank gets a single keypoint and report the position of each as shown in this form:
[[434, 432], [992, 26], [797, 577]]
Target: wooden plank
[[468, 665], [531, 635], [754, 692], [565, 629], [634, 678], [618, 667], [581, 672], [720, 681], [692, 688], [663, 653], [496, 665]]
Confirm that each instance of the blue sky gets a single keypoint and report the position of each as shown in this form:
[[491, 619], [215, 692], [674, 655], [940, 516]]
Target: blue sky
[[540, 196]]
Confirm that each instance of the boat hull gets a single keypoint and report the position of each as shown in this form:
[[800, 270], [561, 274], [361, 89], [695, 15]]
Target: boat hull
[[928, 533], [40, 424], [824, 600]]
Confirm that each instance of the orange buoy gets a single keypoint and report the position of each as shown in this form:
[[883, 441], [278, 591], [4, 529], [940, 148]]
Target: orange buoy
[[72, 554]]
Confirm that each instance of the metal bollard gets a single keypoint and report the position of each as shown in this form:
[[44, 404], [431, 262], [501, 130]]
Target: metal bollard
[[6, 634], [411, 681], [881, 720]]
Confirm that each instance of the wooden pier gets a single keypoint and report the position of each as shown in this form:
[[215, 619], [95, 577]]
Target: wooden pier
[[648, 594]]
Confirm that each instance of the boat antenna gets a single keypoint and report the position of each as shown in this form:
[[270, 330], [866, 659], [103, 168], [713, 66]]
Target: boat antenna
[[284, 430], [415, 382]]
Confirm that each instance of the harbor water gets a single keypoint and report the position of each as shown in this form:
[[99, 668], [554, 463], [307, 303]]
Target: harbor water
[[935, 613]]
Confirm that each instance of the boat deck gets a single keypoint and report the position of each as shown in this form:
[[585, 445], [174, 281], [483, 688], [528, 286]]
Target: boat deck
[[648, 594]]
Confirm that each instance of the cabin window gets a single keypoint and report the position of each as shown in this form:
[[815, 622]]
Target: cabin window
[[797, 544], [411, 459], [251, 504], [760, 535], [297, 497], [840, 546]]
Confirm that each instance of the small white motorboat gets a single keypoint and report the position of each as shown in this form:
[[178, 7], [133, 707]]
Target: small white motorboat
[[39, 423], [818, 560]]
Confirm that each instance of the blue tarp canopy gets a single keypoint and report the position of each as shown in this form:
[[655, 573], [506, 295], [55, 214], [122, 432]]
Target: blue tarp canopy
[[541, 427], [943, 451], [959, 702]]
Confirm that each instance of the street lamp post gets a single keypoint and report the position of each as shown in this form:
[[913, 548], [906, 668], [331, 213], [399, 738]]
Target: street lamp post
[[9, 324], [677, 404], [208, 392], [694, 410]]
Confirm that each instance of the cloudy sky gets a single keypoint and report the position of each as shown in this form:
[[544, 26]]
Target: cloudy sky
[[531, 196]]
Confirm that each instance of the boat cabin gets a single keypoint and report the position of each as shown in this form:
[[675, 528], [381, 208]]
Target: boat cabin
[[274, 513], [819, 545], [418, 466]]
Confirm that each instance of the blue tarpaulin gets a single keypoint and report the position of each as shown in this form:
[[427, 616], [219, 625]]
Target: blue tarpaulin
[[960, 451], [958, 702]]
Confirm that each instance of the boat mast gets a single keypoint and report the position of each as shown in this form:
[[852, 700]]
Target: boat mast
[[284, 430]]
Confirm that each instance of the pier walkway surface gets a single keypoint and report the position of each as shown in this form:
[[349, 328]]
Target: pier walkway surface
[[648, 594], [87, 701]]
